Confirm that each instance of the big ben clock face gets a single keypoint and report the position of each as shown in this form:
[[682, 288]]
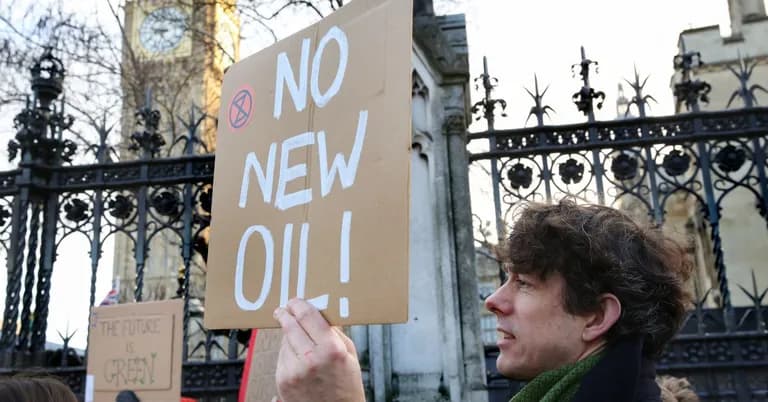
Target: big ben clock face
[[163, 29]]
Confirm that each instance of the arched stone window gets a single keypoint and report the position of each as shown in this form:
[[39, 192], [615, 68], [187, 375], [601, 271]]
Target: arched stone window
[[420, 102]]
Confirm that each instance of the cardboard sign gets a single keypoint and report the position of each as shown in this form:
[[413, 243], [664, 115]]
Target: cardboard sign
[[312, 174], [136, 347], [258, 382]]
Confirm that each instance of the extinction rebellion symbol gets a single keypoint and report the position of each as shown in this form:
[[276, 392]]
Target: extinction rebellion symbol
[[240, 109]]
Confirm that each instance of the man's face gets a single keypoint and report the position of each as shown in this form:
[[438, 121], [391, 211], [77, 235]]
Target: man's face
[[536, 334]]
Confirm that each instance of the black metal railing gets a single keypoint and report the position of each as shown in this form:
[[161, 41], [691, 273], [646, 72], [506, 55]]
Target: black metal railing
[[649, 166], [48, 200]]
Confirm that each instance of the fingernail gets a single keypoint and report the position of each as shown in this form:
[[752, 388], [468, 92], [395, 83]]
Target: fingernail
[[276, 312]]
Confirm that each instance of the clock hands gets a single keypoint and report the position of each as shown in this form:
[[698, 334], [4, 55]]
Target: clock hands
[[163, 29]]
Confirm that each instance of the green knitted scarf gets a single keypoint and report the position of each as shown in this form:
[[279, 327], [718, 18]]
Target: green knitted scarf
[[558, 385]]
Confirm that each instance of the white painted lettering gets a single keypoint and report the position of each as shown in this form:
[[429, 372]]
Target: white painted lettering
[[344, 307], [345, 170], [334, 33], [286, 276], [242, 302], [286, 77], [284, 201], [301, 285], [320, 302], [346, 221], [265, 179]]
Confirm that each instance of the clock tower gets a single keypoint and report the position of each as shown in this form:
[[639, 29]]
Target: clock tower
[[158, 55], [175, 53]]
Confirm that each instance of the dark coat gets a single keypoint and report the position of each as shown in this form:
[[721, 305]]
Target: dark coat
[[622, 375]]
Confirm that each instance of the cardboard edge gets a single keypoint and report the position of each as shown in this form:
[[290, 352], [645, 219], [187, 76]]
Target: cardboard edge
[[408, 192], [177, 370], [243, 392]]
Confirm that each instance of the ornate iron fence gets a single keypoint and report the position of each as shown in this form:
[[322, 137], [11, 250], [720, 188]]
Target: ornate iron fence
[[48, 199], [647, 165], [639, 164]]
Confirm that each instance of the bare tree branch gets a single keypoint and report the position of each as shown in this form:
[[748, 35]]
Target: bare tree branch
[[107, 75]]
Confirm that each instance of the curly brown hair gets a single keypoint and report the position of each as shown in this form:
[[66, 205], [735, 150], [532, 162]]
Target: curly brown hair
[[34, 389], [675, 389], [600, 250]]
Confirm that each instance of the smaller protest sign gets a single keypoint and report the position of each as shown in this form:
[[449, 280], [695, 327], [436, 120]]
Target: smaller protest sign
[[136, 347], [258, 382]]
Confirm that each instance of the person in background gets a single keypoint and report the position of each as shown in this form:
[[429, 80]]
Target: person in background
[[34, 389], [127, 396], [590, 300], [130, 396], [675, 389]]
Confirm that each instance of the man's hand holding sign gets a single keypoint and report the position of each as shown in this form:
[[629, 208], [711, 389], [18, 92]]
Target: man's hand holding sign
[[315, 359], [311, 190]]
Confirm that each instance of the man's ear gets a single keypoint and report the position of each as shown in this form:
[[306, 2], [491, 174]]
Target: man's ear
[[601, 321]]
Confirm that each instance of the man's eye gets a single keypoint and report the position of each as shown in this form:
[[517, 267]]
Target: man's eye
[[521, 283]]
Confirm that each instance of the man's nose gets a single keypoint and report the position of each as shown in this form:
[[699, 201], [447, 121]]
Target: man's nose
[[492, 302]]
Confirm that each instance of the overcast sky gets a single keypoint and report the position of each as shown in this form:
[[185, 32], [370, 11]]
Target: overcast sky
[[519, 39], [544, 37]]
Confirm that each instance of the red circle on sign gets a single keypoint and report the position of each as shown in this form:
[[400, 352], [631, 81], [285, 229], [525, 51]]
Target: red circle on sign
[[240, 108]]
